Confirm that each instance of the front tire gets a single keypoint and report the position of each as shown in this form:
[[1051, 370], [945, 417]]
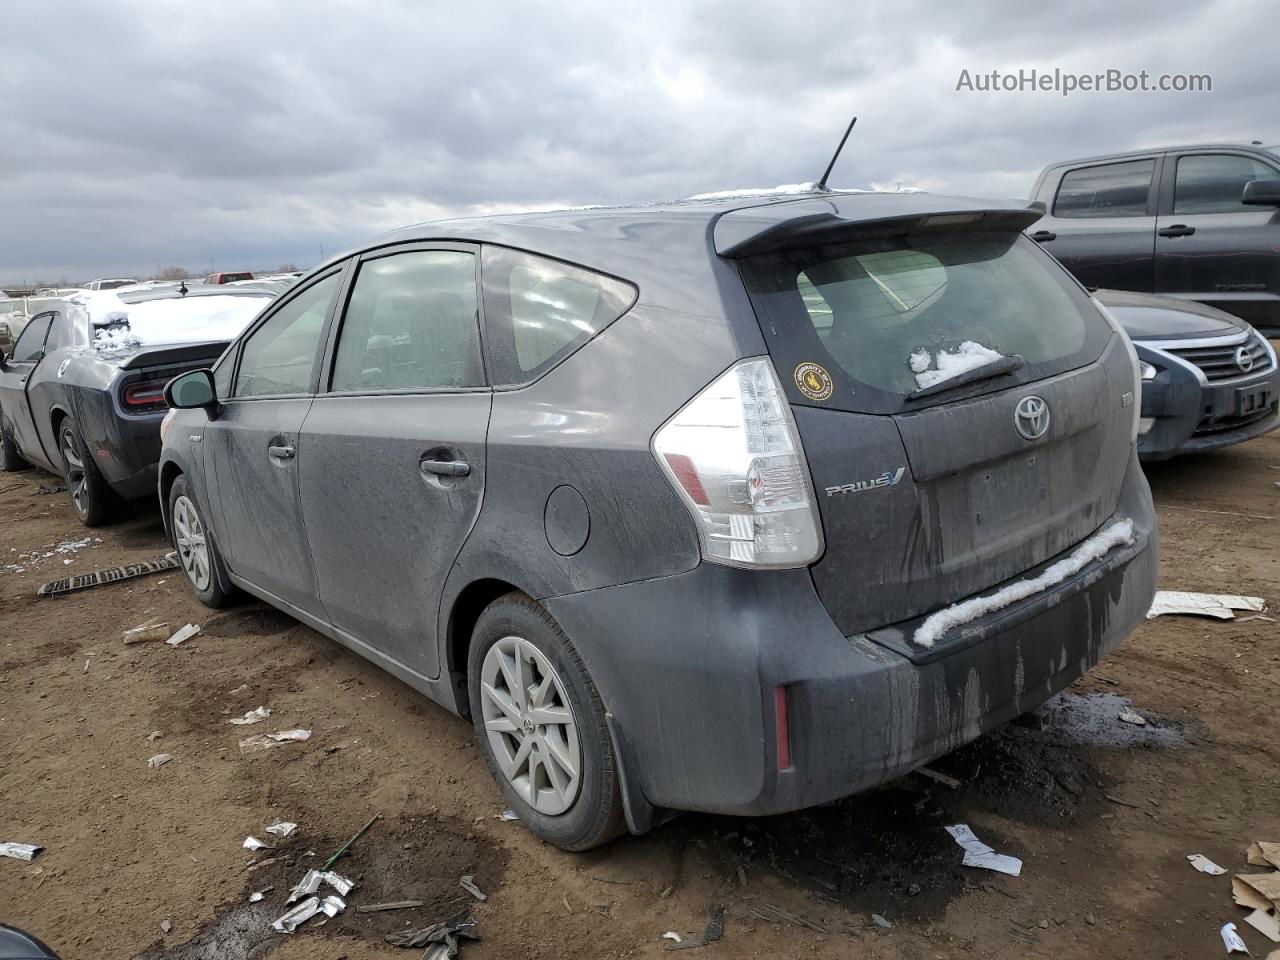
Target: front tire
[[10, 459], [197, 553], [91, 496], [540, 724]]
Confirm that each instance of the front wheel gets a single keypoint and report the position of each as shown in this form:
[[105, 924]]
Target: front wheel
[[90, 495], [10, 459], [540, 724], [197, 553]]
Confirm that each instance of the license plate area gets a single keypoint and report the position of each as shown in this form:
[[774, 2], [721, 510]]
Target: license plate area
[[1251, 400]]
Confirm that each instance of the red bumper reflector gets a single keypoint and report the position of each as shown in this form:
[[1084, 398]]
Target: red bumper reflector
[[781, 729]]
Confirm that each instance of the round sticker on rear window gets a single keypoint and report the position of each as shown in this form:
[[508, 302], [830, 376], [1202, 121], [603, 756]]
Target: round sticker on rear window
[[813, 381]]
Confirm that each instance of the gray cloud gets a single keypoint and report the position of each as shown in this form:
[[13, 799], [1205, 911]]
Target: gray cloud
[[144, 133]]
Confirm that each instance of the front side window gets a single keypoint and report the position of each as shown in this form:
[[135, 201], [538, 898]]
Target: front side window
[[538, 311], [278, 358], [30, 345], [411, 324], [1214, 183], [886, 317], [1109, 190]]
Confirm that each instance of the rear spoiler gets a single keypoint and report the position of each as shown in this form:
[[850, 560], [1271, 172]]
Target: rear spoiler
[[162, 355], [840, 219]]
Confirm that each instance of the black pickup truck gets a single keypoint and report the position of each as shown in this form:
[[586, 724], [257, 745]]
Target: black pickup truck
[[1195, 222], [81, 390]]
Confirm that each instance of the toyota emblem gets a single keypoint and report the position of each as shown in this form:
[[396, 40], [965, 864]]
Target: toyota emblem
[[1031, 418], [1244, 359]]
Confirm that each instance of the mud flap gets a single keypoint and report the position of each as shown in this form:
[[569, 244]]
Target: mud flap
[[642, 816]]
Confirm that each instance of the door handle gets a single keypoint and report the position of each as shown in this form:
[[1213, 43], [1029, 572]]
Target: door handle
[[1177, 230], [282, 452], [445, 468], [1040, 236]]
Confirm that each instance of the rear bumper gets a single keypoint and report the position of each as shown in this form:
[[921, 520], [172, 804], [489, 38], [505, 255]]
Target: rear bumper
[[689, 667], [1190, 417]]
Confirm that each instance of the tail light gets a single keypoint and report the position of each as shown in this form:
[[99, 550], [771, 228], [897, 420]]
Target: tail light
[[734, 456], [145, 394]]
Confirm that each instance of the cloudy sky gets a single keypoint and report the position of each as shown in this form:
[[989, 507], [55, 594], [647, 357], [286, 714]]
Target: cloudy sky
[[138, 135]]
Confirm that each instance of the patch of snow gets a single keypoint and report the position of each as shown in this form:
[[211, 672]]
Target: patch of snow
[[937, 624], [968, 356], [198, 319], [782, 188]]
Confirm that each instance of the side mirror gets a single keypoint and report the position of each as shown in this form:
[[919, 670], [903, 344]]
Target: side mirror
[[191, 390], [1038, 206], [1261, 193]]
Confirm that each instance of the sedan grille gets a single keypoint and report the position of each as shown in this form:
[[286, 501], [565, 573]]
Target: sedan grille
[[1228, 361]]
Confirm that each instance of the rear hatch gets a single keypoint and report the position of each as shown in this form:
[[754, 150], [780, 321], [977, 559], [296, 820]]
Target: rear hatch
[[931, 489]]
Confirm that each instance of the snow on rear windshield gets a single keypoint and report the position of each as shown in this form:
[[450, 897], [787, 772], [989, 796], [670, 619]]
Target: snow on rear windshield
[[931, 370], [198, 319]]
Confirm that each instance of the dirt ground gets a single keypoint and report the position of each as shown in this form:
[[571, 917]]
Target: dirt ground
[[1103, 813]]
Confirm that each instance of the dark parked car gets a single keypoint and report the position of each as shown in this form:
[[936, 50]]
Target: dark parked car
[[1198, 223], [1208, 379], [740, 505], [81, 391]]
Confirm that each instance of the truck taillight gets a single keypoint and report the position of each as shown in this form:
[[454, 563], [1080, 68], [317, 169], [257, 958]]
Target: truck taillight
[[734, 456]]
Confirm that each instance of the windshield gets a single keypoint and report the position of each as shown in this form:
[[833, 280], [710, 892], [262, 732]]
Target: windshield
[[893, 316]]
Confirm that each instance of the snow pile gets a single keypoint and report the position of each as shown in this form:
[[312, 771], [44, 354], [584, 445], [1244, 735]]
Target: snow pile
[[197, 319], [937, 624], [968, 356], [103, 306]]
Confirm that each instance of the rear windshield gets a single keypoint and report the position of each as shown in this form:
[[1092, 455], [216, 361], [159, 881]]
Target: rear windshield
[[864, 326]]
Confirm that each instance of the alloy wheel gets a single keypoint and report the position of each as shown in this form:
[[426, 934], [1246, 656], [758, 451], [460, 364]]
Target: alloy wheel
[[530, 725], [75, 472], [193, 551]]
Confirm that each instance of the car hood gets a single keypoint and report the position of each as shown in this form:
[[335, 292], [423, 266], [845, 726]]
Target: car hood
[[1145, 317]]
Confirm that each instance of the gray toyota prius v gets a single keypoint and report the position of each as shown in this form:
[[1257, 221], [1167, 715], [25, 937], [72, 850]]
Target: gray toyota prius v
[[737, 505]]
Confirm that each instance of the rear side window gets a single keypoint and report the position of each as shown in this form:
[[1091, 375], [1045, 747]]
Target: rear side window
[[278, 358], [1214, 183], [889, 317], [1109, 190], [538, 311], [30, 345], [411, 324]]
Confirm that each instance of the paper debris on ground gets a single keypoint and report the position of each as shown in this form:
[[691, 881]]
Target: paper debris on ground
[[1267, 884], [153, 629], [253, 843], [508, 815], [1245, 896], [978, 854], [257, 895], [673, 937], [309, 883], [445, 933], [19, 851], [251, 716], [468, 884], [295, 916], [713, 931], [338, 882], [333, 905], [1263, 853], [939, 777], [154, 735], [1205, 865], [1265, 923], [281, 828], [159, 760], [265, 741], [183, 635], [1231, 940], [882, 922], [1219, 605], [1129, 715]]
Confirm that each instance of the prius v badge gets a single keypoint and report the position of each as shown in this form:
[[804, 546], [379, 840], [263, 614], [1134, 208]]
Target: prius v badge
[[885, 479]]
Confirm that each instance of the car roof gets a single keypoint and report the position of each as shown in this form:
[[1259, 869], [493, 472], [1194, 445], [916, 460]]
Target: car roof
[[665, 247], [1176, 148]]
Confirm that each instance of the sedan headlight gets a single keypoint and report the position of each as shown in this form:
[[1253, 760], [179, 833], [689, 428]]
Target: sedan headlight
[[1148, 371]]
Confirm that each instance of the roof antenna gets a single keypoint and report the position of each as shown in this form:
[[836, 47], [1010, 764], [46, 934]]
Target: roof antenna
[[822, 184]]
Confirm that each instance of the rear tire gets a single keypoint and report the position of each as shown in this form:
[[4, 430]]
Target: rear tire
[[92, 498], [10, 459], [197, 553], [538, 716]]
